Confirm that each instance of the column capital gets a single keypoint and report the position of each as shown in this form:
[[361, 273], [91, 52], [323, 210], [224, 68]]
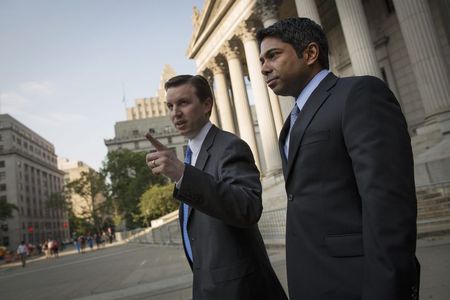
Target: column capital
[[267, 9], [207, 73], [247, 30], [230, 50], [216, 66]]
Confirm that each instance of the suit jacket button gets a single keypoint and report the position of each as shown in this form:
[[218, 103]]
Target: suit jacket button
[[290, 197]]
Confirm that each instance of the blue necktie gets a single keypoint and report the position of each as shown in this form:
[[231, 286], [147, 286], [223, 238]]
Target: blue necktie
[[294, 114], [187, 243]]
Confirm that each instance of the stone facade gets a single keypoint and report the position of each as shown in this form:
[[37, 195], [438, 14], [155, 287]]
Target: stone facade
[[28, 178], [153, 106], [131, 135], [403, 42]]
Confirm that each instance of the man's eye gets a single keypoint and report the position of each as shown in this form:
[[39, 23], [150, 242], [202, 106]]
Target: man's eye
[[272, 55]]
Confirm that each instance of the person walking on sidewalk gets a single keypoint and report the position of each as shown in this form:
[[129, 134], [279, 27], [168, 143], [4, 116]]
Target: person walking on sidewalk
[[22, 251]]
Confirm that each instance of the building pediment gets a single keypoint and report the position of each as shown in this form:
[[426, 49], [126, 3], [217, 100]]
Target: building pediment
[[205, 21]]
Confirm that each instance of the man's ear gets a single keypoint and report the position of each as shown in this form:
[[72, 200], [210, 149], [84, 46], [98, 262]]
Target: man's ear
[[209, 104], [311, 53]]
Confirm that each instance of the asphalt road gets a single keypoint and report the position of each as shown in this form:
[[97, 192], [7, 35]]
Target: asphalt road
[[137, 271]]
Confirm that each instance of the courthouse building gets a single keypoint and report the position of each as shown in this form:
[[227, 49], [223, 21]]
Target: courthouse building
[[403, 42], [29, 178]]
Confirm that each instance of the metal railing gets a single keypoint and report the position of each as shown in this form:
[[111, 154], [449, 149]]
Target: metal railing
[[272, 226]]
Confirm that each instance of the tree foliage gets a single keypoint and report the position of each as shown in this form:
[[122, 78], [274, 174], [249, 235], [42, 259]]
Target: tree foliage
[[157, 202], [129, 177], [91, 187], [6, 209]]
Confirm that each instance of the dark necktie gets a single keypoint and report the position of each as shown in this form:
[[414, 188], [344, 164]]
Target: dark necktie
[[294, 114], [187, 243]]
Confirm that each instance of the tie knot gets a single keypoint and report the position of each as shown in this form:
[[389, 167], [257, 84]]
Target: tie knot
[[188, 155]]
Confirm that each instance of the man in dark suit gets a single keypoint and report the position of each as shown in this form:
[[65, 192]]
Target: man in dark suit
[[348, 169], [220, 192]]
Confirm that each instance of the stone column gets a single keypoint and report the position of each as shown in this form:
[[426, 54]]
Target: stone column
[[357, 37], [247, 32], [214, 118], [308, 9], [267, 10], [425, 53], [242, 107], [222, 97]]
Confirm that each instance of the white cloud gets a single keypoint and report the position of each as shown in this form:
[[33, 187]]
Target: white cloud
[[67, 118], [38, 88], [13, 102]]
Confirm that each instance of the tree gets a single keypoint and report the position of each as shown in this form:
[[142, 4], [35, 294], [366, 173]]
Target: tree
[[129, 177], [6, 209], [91, 188], [157, 202]]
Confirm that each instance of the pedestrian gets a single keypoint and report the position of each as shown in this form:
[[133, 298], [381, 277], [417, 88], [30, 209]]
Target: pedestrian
[[98, 240], [218, 217], [348, 170], [46, 249], [90, 242], [50, 247], [22, 251], [55, 248]]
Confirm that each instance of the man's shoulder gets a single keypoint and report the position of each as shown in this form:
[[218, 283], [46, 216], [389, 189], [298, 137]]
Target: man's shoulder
[[364, 80], [226, 136]]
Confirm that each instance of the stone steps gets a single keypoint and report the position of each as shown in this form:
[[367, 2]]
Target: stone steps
[[433, 227], [433, 211]]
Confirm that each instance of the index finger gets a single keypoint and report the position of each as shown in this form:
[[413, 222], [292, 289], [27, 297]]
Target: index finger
[[157, 144]]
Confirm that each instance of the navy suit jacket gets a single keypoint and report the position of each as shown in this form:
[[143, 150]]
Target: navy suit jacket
[[351, 212]]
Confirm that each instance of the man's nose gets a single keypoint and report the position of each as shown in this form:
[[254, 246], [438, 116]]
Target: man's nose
[[176, 111], [265, 68]]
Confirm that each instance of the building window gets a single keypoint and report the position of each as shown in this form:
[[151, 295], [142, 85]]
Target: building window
[[0, 137], [2, 175], [2, 187], [2, 163]]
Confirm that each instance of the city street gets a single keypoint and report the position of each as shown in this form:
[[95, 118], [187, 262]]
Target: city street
[[137, 271]]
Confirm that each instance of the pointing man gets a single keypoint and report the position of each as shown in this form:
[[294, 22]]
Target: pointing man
[[220, 194]]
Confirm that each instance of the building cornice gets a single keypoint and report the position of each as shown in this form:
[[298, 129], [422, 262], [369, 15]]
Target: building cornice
[[15, 151]]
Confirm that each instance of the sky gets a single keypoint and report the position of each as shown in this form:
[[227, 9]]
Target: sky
[[65, 65]]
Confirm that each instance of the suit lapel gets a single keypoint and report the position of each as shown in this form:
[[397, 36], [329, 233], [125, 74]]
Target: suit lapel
[[305, 117], [203, 155]]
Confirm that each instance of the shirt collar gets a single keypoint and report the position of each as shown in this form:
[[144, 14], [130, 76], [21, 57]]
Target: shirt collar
[[310, 87], [196, 143]]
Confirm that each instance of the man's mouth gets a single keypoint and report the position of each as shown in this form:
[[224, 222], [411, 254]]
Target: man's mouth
[[179, 124], [271, 82]]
